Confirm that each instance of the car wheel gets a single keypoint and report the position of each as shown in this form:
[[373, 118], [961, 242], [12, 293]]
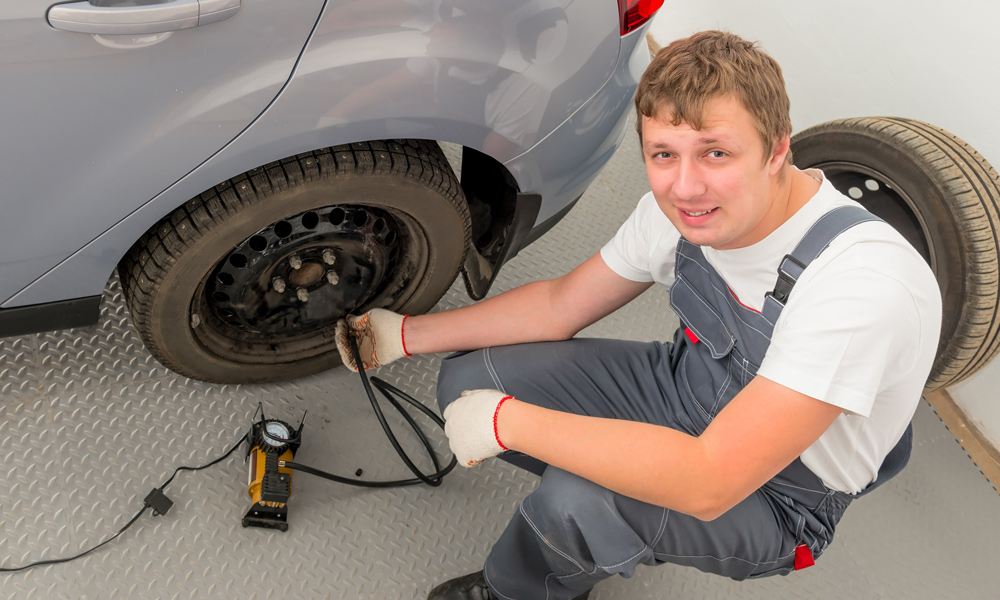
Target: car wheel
[[245, 283], [942, 196]]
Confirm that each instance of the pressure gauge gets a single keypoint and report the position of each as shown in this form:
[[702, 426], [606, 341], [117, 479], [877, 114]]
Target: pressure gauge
[[276, 433]]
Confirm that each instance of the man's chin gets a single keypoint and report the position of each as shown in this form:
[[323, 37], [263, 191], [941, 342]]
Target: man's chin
[[701, 237]]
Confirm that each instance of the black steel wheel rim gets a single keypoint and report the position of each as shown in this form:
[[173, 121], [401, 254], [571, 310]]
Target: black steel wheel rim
[[278, 294], [880, 195]]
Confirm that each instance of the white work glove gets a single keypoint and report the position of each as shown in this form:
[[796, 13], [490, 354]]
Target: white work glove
[[379, 335], [471, 426]]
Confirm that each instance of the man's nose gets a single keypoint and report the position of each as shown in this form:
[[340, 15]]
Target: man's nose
[[689, 182]]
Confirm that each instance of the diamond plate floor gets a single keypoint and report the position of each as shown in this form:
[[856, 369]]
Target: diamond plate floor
[[89, 423]]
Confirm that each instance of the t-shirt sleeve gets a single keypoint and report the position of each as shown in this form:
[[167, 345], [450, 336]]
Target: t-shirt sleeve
[[628, 253], [843, 337]]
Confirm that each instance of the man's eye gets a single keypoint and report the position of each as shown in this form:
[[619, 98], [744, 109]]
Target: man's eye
[[662, 155], [717, 153]]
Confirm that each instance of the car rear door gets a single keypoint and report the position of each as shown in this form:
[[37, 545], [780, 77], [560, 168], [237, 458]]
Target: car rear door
[[106, 103]]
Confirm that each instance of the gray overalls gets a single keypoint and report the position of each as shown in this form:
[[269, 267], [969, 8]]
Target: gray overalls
[[570, 533]]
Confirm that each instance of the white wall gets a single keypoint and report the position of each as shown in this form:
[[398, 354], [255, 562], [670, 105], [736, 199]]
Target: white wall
[[934, 61]]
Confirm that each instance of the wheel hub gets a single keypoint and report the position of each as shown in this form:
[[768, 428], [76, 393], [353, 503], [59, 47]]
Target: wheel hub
[[308, 274]]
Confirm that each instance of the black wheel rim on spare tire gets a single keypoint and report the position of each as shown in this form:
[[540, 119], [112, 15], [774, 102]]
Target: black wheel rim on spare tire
[[884, 197], [943, 197]]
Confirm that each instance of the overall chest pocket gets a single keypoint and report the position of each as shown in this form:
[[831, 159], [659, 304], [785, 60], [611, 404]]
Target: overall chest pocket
[[713, 369]]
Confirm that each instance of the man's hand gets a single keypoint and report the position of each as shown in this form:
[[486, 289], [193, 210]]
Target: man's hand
[[471, 426], [379, 335]]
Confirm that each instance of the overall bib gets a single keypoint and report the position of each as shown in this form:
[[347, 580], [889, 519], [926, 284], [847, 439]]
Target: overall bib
[[571, 533]]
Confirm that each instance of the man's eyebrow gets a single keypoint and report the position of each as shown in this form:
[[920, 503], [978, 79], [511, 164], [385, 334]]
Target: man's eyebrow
[[705, 141]]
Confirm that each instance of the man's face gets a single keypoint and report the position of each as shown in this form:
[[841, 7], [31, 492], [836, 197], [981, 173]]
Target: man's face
[[713, 183]]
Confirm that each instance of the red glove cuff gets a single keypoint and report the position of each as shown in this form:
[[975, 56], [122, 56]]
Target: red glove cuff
[[402, 335], [496, 412]]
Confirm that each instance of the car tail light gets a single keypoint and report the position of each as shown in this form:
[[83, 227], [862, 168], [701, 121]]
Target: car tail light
[[633, 13]]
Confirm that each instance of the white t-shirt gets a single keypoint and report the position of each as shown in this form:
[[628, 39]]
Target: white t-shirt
[[859, 331]]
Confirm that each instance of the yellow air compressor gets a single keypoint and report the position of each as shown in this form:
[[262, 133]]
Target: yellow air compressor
[[268, 484]]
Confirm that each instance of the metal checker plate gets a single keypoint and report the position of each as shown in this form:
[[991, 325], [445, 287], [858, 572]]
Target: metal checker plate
[[89, 423]]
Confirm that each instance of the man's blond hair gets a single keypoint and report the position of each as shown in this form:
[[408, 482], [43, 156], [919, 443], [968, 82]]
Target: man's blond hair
[[688, 73]]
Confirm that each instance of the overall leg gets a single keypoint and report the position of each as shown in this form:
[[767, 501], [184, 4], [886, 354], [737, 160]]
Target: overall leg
[[571, 533]]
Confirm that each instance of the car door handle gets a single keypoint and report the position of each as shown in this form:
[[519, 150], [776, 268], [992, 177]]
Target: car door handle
[[84, 17]]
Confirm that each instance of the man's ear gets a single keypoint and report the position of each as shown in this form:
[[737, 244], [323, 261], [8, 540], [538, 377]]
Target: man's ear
[[778, 155]]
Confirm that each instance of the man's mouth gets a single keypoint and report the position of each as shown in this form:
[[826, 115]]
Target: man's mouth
[[697, 213]]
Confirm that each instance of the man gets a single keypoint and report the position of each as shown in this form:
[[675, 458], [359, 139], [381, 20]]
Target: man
[[808, 328]]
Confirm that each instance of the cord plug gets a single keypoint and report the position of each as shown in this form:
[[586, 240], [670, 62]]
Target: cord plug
[[158, 501]]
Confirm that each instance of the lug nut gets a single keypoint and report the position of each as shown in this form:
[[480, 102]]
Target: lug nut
[[278, 284], [302, 294], [329, 257], [332, 277], [294, 261]]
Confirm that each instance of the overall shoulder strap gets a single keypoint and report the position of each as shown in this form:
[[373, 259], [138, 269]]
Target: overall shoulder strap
[[814, 242]]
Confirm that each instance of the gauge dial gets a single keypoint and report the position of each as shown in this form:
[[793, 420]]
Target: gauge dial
[[276, 433]]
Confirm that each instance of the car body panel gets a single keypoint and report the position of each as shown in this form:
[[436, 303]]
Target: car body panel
[[554, 168], [97, 125], [533, 66]]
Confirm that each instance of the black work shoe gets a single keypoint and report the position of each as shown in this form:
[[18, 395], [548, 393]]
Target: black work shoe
[[471, 587]]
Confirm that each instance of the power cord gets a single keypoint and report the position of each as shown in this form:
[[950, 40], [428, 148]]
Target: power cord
[[155, 500], [160, 504]]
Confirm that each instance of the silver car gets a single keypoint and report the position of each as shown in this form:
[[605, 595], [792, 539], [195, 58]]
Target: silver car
[[256, 169]]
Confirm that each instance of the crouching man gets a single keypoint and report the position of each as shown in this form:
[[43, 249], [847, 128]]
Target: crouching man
[[808, 328]]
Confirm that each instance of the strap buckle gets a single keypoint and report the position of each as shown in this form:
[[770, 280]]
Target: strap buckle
[[789, 272]]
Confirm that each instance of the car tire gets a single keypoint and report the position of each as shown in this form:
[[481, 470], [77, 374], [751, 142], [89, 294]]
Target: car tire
[[344, 229], [942, 196]]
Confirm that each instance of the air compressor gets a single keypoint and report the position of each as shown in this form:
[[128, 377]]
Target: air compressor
[[271, 442]]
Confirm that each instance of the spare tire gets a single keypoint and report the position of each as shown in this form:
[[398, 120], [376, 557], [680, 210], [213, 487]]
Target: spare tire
[[942, 196]]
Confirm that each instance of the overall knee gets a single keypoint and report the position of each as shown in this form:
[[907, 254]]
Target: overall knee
[[567, 503], [459, 372], [589, 532]]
